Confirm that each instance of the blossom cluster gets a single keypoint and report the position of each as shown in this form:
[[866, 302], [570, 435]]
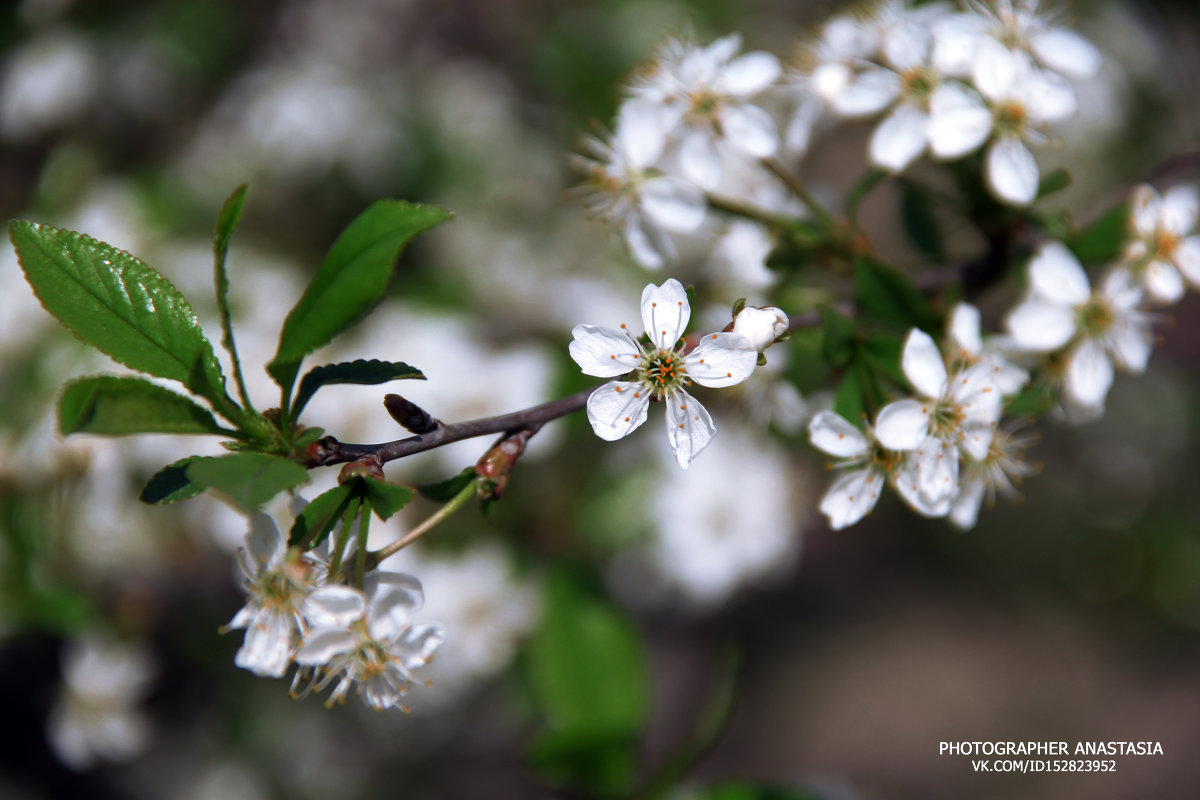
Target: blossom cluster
[[337, 635], [705, 125], [945, 449]]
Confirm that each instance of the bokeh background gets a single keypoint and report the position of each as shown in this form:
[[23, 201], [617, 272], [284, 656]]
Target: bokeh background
[[1073, 615]]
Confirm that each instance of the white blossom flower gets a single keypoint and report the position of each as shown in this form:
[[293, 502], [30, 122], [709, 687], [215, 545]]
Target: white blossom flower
[[1091, 330], [365, 639], [1164, 252], [625, 189], [760, 326], [868, 465], [1021, 102], [913, 88], [997, 473], [278, 584], [95, 717], [708, 98], [661, 371], [955, 412], [1020, 27], [968, 347]]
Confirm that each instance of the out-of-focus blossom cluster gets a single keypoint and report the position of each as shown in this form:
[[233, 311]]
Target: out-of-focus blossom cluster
[[946, 449], [704, 126]]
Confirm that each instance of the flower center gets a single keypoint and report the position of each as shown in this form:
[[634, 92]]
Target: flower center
[[1011, 118], [917, 83], [1094, 318], [662, 372], [945, 419], [703, 104]]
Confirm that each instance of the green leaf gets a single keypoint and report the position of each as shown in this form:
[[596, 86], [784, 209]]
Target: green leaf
[[320, 516], [883, 353], [888, 297], [839, 342], [118, 406], [587, 663], [1056, 181], [1032, 401], [920, 221], [367, 373], [445, 491], [227, 222], [386, 498], [249, 479], [1104, 238], [352, 278], [848, 401], [587, 669], [117, 304], [171, 484]]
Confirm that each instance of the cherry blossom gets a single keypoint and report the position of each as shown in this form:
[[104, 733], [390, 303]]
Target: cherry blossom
[[661, 371]]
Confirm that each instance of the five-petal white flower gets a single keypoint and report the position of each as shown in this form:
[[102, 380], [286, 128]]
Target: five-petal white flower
[[1164, 251], [954, 412], [661, 371], [1094, 329], [855, 493], [365, 638]]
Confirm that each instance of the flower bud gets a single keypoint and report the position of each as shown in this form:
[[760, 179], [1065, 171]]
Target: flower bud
[[760, 326]]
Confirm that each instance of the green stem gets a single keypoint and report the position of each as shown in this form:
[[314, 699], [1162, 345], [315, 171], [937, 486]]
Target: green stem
[[740, 209], [455, 503], [800, 190], [364, 526], [343, 538], [713, 719]]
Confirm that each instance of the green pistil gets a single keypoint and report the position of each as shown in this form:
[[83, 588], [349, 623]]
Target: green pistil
[[1011, 119], [662, 373], [918, 84], [1094, 318], [945, 417]]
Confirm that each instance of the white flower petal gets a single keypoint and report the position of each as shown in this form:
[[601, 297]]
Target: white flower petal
[[603, 352], [937, 471], [616, 408], [907, 483], [1147, 209], [673, 203], [902, 425], [1055, 274], [418, 644], [665, 312], [1163, 281], [959, 123], [334, 606], [324, 644], [996, 69], [965, 329], [266, 649], [650, 246], [977, 438], [689, 427], [1066, 51], [900, 138], [955, 38], [389, 612], [760, 326], [700, 160], [964, 512], [872, 91], [1012, 172], [923, 365], [851, 497], [833, 434], [751, 130], [1089, 374], [749, 74], [1047, 97], [1130, 345], [1187, 258], [264, 542], [1040, 326], [1180, 207], [641, 131], [721, 359]]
